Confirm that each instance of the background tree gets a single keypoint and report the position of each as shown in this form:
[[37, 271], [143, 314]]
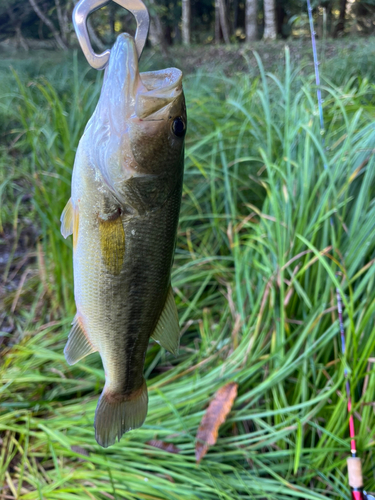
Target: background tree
[[270, 31], [186, 22], [251, 20], [198, 21], [217, 22], [224, 24], [48, 22], [17, 17], [14, 17], [340, 26], [221, 21], [364, 16], [156, 28]]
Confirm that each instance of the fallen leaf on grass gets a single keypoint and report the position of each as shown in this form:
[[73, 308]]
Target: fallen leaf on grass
[[215, 415]]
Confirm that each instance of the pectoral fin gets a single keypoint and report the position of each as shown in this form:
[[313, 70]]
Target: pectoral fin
[[112, 243], [78, 345], [67, 219], [167, 331]]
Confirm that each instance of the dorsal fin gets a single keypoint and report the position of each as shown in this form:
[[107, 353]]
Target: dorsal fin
[[167, 331]]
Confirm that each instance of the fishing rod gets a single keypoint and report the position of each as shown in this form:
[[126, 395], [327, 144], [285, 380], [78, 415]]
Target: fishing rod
[[354, 464]]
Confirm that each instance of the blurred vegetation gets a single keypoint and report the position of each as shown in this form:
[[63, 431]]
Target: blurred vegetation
[[267, 234], [29, 24]]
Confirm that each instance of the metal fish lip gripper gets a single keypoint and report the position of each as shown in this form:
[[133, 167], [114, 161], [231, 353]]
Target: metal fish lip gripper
[[85, 7]]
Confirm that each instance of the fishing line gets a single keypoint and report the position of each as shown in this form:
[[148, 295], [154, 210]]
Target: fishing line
[[353, 462], [317, 76]]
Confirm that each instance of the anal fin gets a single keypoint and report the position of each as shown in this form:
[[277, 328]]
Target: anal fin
[[78, 345], [67, 219], [167, 331]]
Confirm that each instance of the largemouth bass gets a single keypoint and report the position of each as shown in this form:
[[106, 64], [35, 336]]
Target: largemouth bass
[[123, 214]]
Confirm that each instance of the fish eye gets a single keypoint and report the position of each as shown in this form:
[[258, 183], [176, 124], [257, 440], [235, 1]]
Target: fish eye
[[178, 127]]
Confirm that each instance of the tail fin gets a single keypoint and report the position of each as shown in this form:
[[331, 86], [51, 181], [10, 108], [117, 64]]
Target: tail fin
[[117, 414]]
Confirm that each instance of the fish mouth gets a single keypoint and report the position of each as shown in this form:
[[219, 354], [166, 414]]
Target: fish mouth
[[159, 91], [127, 92]]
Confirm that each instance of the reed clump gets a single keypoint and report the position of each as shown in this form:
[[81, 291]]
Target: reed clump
[[267, 234]]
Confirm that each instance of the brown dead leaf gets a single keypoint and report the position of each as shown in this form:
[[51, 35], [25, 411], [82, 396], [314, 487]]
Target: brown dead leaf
[[162, 445], [215, 415]]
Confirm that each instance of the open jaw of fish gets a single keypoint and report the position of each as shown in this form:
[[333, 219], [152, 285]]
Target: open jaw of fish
[[123, 214]]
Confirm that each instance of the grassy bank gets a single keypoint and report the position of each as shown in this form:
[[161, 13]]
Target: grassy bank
[[272, 222]]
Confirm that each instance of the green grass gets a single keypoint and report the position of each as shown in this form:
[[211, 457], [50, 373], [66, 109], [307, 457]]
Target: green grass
[[267, 234]]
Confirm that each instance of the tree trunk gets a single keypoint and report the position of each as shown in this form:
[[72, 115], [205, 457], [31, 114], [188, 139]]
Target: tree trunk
[[224, 20], [217, 22], [251, 20], [186, 22], [340, 26], [156, 35], [60, 42], [269, 20], [63, 22]]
